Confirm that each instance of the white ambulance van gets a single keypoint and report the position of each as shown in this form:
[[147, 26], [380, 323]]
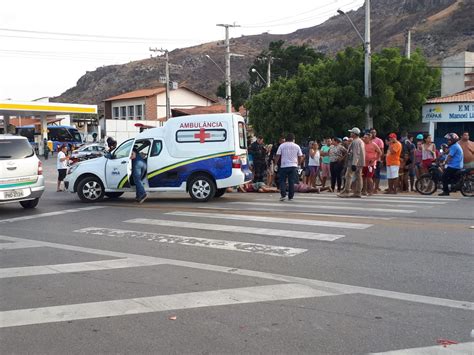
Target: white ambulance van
[[201, 154]]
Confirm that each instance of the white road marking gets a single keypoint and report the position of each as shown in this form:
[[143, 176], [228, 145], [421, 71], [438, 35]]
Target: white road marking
[[239, 229], [371, 200], [462, 348], [162, 303], [347, 202], [414, 198], [294, 204], [301, 213], [76, 267], [50, 214], [196, 242], [293, 221], [19, 245], [325, 286]]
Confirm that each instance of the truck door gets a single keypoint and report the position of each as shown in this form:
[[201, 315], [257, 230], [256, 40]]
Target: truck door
[[117, 166]]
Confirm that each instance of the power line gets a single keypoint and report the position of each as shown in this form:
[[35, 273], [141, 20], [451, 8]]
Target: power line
[[99, 40], [302, 20], [288, 17], [90, 35]]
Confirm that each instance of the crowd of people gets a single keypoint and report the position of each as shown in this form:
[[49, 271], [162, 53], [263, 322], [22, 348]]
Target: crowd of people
[[352, 166]]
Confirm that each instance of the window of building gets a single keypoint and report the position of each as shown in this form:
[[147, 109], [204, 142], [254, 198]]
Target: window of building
[[116, 113], [123, 112], [139, 109], [131, 112]]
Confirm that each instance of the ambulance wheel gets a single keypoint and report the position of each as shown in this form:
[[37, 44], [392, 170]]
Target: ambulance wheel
[[202, 188], [113, 194], [90, 189], [220, 192]]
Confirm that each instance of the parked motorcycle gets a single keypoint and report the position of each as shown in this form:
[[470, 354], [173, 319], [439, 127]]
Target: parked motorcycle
[[427, 184]]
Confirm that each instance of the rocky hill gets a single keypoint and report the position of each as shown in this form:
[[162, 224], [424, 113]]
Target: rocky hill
[[440, 28]]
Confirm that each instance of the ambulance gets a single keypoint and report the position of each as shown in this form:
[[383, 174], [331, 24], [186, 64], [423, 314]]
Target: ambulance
[[199, 154]]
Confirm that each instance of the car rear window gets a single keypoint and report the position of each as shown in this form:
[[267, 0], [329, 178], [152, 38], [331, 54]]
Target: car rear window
[[15, 149]]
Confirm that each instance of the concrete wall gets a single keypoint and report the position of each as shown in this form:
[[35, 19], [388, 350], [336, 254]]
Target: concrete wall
[[122, 130], [454, 80]]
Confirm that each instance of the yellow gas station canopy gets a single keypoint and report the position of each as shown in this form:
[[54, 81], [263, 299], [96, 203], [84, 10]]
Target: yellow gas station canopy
[[31, 108]]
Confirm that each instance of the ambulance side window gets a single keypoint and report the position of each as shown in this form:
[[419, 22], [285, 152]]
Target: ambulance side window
[[242, 136], [156, 148]]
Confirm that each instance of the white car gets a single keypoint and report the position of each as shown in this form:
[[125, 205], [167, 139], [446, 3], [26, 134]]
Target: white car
[[88, 151], [21, 172]]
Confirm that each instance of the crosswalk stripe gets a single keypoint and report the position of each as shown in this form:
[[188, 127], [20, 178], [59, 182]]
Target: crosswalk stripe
[[414, 198], [462, 348], [160, 303], [19, 245], [50, 214], [76, 267], [371, 200], [318, 285], [325, 207], [300, 213], [239, 229], [266, 249], [293, 221], [348, 202]]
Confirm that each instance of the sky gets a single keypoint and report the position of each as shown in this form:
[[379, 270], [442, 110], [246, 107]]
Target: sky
[[46, 46]]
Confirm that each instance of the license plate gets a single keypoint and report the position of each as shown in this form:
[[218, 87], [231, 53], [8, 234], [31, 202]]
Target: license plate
[[9, 195]]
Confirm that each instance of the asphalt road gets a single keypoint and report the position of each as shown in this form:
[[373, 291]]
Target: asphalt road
[[241, 274]]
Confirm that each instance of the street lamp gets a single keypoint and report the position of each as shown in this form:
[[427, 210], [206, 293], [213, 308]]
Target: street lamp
[[261, 77], [369, 123], [217, 65]]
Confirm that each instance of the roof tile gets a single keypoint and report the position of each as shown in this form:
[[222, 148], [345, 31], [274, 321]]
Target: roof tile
[[463, 96]]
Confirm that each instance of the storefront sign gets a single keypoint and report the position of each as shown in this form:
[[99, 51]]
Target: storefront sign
[[453, 112]]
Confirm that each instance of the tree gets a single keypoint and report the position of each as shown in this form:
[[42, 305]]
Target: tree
[[327, 97], [286, 62], [240, 93]]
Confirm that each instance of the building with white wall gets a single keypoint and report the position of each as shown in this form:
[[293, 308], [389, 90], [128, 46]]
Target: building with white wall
[[146, 107], [458, 73]]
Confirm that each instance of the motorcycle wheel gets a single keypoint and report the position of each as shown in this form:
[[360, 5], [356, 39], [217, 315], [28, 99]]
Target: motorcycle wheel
[[467, 186], [425, 185]]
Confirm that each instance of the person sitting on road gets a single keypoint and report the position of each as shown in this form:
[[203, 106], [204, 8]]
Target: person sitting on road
[[305, 188], [256, 187]]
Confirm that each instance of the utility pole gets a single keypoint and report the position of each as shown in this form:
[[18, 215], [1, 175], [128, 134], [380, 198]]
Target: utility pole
[[167, 75], [228, 91], [408, 49], [369, 123], [269, 69]]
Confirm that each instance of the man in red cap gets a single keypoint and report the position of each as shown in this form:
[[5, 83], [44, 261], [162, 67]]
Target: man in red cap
[[393, 162]]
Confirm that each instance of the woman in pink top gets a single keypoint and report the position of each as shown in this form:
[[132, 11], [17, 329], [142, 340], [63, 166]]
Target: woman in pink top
[[428, 153], [372, 155]]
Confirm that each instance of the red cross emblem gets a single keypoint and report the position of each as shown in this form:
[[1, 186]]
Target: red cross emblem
[[202, 135]]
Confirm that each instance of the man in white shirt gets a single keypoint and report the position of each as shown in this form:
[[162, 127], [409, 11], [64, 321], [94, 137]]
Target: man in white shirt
[[62, 165], [291, 156]]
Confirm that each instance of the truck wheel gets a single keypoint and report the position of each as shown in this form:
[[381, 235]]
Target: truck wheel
[[220, 192], [29, 203], [90, 189], [202, 188], [113, 194]]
